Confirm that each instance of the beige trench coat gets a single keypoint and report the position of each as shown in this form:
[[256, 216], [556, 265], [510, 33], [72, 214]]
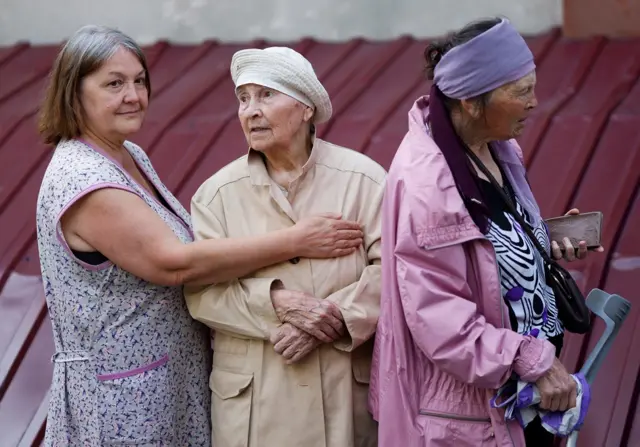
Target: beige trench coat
[[257, 399]]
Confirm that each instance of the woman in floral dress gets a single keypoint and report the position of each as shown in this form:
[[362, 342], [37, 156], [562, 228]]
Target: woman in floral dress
[[131, 366]]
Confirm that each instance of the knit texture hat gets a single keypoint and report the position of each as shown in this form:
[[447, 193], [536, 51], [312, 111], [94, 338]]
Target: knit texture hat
[[286, 71]]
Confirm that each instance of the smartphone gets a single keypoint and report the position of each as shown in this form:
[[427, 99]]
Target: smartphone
[[579, 227]]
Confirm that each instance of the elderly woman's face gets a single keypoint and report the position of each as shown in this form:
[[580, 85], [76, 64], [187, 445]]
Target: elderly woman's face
[[114, 98], [509, 106], [270, 119]]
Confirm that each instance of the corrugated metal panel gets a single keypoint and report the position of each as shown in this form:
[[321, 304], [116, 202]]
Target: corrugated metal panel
[[611, 18], [582, 148]]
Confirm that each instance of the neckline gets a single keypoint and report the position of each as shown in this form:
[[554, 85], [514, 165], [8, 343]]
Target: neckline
[[145, 173], [258, 165]]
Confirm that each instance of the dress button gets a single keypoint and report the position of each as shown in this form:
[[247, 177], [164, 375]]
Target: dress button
[[294, 260]]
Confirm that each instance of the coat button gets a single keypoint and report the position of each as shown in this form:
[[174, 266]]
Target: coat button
[[294, 260]]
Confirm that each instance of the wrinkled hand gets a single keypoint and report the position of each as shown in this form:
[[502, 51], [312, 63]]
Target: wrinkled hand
[[292, 343], [327, 236], [320, 318], [558, 390], [571, 253]]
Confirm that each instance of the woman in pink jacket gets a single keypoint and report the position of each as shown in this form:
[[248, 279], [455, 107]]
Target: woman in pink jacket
[[465, 303]]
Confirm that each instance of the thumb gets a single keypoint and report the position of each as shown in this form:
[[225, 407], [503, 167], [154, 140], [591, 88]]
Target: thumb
[[572, 212]]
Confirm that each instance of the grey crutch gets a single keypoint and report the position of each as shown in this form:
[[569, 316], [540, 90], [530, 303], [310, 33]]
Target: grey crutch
[[613, 309]]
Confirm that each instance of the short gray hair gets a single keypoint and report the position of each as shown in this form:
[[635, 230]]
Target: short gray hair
[[91, 46]]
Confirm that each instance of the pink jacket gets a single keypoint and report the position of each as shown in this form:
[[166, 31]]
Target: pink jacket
[[443, 343]]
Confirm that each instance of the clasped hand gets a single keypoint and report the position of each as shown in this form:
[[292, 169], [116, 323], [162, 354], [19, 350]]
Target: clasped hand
[[558, 390], [307, 323]]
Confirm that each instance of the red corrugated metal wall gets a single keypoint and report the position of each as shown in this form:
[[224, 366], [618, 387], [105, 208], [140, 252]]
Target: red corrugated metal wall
[[582, 148], [611, 18]]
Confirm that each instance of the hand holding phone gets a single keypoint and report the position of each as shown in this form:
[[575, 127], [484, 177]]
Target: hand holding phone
[[570, 230]]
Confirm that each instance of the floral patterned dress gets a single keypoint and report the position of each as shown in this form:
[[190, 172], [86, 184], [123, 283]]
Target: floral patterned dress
[[131, 367]]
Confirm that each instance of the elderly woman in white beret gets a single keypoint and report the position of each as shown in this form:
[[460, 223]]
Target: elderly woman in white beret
[[293, 342]]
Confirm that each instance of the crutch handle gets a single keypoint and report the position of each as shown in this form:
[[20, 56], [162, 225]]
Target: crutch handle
[[613, 310]]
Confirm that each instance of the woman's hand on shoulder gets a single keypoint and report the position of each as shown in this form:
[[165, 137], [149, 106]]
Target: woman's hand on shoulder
[[327, 236], [568, 251]]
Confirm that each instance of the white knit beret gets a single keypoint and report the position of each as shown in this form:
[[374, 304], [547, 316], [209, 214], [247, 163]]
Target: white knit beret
[[286, 71]]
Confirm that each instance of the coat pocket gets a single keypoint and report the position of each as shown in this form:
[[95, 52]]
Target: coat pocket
[[231, 395], [135, 407], [450, 430], [361, 362]]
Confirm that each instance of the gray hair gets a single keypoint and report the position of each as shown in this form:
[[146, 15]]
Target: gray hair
[[85, 52]]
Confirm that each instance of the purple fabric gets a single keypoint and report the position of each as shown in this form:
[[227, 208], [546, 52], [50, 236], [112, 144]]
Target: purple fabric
[[515, 294], [494, 58], [518, 227], [510, 390], [554, 419], [520, 401], [454, 151], [525, 398]]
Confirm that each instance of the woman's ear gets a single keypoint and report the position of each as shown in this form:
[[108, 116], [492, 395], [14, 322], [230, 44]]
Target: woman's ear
[[308, 114], [471, 107]]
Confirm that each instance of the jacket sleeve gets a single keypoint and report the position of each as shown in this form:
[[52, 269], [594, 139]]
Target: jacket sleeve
[[360, 302], [242, 307], [444, 321]]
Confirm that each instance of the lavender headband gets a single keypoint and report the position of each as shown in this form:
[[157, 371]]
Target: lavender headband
[[494, 58]]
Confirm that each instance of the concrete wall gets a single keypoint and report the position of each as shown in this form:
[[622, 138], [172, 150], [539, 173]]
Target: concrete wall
[[188, 21]]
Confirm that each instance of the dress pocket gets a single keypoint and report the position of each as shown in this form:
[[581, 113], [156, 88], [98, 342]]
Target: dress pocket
[[231, 395], [135, 407]]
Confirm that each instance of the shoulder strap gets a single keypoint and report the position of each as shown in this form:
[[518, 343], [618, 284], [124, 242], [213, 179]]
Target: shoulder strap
[[509, 204]]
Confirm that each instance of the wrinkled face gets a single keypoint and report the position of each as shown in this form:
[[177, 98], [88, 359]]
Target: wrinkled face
[[270, 119], [508, 108], [114, 98]]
